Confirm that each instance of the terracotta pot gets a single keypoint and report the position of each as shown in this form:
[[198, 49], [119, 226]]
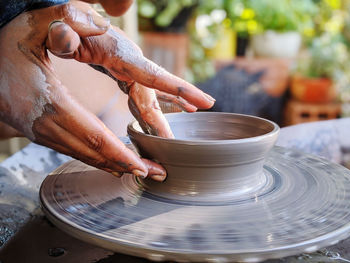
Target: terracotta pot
[[314, 90]]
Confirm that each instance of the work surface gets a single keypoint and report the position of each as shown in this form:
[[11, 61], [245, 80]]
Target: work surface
[[27, 236]]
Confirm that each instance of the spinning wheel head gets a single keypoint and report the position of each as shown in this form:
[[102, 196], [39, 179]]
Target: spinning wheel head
[[253, 204]]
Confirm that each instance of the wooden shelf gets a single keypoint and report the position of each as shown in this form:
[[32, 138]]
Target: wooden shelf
[[299, 112]]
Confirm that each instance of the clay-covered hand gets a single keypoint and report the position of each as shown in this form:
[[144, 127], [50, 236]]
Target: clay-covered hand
[[143, 103], [124, 61], [34, 101]]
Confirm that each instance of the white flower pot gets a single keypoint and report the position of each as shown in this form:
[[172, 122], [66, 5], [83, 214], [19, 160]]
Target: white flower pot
[[274, 44]]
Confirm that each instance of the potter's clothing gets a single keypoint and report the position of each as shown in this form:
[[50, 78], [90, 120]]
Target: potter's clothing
[[9, 9]]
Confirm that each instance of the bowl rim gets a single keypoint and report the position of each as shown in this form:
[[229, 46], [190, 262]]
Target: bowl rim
[[274, 132]]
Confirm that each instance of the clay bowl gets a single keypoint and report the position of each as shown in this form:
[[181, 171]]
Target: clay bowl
[[214, 156]]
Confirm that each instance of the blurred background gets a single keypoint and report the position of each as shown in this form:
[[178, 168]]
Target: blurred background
[[285, 60]]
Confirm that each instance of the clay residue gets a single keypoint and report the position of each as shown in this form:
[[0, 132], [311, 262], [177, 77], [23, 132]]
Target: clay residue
[[128, 52], [24, 87]]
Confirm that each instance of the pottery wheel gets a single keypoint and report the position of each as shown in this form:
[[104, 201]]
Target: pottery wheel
[[303, 206]]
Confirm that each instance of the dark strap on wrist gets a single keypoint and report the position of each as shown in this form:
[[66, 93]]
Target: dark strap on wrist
[[9, 9]]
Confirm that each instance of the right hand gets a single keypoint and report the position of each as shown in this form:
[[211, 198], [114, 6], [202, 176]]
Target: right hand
[[34, 101]]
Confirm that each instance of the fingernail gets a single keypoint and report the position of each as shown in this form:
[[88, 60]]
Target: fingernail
[[55, 23], [210, 98], [117, 174], [139, 173], [100, 21], [52, 25], [62, 39], [159, 178]]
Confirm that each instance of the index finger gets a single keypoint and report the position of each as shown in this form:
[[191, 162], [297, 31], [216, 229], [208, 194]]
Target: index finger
[[149, 74], [153, 76]]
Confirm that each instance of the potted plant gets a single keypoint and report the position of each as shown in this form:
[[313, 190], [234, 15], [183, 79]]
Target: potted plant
[[274, 26], [165, 15], [243, 23], [210, 39], [324, 65], [163, 32], [171, 37]]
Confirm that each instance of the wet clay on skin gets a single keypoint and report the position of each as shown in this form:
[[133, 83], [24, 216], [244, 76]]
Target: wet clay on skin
[[128, 52], [142, 101], [18, 74], [35, 102]]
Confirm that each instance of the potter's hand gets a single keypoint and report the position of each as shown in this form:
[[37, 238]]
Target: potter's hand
[[34, 101], [124, 61], [144, 105]]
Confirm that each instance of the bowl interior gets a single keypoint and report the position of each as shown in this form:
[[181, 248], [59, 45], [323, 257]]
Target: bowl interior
[[215, 126]]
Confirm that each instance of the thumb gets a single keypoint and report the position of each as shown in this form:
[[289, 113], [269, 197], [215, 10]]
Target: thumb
[[82, 19], [74, 20], [62, 40]]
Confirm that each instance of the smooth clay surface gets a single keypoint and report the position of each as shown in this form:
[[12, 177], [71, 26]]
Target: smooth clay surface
[[215, 156], [304, 206]]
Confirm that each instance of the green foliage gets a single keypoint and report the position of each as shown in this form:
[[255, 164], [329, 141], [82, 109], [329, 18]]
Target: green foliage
[[327, 57], [200, 66], [254, 16], [207, 6], [323, 23], [162, 12], [155, 14], [204, 31], [328, 46]]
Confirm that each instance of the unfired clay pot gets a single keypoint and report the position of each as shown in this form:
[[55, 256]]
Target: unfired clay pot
[[214, 156]]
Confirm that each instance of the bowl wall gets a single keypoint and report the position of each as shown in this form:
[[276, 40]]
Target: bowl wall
[[212, 153]]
